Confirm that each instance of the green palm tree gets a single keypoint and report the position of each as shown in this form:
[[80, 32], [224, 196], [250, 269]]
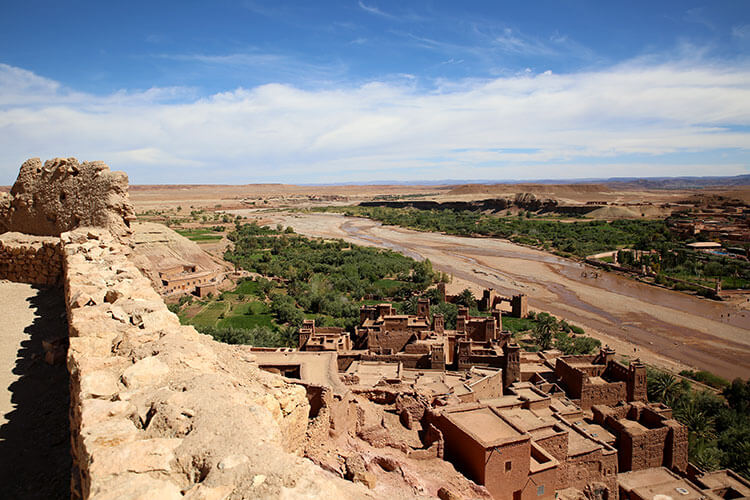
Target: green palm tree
[[289, 335], [544, 331], [699, 423], [704, 455], [663, 387]]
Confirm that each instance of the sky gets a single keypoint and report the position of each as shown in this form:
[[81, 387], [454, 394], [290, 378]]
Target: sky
[[252, 91]]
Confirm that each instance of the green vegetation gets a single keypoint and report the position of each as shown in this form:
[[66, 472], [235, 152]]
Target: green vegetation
[[671, 261], [705, 377], [321, 279], [202, 234], [578, 238], [549, 332], [325, 277], [718, 425]]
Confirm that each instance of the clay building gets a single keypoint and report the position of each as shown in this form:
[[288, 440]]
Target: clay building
[[491, 301], [599, 379], [723, 483], [186, 278], [496, 453], [435, 385], [385, 332], [647, 436], [323, 338], [659, 482], [480, 439]]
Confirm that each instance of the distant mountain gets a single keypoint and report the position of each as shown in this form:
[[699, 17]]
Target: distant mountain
[[636, 182], [681, 182]]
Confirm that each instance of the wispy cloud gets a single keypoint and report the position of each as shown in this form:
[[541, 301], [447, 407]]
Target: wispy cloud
[[406, 16], [636, 118], [512, 42], [273, 65], [372, 9]]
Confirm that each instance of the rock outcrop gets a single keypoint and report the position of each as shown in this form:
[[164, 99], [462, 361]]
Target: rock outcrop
[[63, 194]]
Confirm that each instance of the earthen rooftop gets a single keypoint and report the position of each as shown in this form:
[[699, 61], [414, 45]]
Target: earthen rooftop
[[486, 426]]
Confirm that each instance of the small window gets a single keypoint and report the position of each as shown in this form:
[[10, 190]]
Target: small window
[[540, 490], [508, 466]]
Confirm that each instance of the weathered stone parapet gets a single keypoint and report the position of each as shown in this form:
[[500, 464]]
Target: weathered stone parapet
[[160, 411], [63, 194], [30, 259]]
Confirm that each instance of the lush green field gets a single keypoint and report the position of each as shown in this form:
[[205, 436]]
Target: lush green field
[[209, 315], [203, 234]]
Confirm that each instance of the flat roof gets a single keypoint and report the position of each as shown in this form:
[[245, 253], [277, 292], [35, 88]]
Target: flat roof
[[579, 444], [722, 479], [635, 479], [486, 426], [530, 394], [525, 419], [595, 431], [676, 489]]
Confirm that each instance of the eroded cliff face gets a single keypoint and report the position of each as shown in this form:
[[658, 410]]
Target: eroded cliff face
[[63, 194]]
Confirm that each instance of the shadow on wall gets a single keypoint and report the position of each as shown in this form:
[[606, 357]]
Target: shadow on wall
[[35, 441]]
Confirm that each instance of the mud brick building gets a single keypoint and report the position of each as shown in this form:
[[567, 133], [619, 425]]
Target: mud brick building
[[496, 453], [186, 278], [599, 379], [647, 436], [326, 338]]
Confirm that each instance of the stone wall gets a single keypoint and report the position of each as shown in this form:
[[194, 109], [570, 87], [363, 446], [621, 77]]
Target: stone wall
[[64, 194], [30, 259], [160, 411]]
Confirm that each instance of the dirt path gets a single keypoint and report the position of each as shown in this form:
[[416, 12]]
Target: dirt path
[[34, 426], [660, 326]]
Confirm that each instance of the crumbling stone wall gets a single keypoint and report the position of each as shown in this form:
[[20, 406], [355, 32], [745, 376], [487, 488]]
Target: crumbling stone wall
[[63, 194], [160, 411], [30, 259]]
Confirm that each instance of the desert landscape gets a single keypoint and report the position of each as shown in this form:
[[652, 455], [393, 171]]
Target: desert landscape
[[372, 249]]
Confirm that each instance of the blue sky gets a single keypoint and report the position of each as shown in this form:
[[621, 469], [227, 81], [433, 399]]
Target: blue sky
[[308, 92]]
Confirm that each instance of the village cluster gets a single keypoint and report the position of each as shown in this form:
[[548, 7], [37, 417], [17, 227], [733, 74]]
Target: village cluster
[[522, 424]]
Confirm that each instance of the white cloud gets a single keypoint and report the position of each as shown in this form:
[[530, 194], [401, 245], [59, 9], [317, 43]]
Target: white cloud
[[392, 129], [372, 9]]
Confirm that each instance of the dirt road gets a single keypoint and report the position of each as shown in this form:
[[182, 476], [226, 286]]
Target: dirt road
[[660, 326]]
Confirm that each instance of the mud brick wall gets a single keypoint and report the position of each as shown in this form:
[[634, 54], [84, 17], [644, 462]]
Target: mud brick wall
[[676, 452], [602, 394], [597, 466], [642, 449], [30, 259]]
